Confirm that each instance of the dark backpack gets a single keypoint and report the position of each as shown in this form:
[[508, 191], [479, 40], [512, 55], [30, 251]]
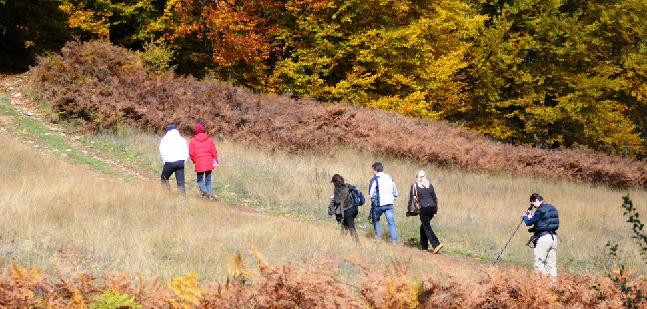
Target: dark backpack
[[356, 195]]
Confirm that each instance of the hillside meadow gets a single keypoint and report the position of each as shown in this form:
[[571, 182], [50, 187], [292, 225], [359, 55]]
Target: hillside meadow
[[73, 237], [477, 211]]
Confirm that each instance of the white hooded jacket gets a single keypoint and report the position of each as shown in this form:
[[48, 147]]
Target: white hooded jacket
[[173, 147], [387, 189]]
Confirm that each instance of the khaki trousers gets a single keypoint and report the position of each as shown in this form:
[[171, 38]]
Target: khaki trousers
[[546, 255]]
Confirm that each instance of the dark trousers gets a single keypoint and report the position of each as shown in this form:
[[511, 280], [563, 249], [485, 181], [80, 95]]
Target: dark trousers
[[176, 167], [348, 221], [426, 233]]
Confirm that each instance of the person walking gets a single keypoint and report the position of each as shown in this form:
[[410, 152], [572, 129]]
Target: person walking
[[173, 152], [342, 206], [205, 158], [423, 200], [383, 193], [545, 222]]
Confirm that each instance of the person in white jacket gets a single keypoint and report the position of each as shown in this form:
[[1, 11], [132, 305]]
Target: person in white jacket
[[173, 152], [383, 193]]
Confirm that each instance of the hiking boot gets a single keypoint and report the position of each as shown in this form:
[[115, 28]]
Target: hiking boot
[[437, 249]]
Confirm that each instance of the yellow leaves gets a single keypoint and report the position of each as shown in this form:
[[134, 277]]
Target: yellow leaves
[[407, 64], [187, 291], [26, 279], [395, 291], [112, 299], [237, 269], [415, 289], [92, 21]]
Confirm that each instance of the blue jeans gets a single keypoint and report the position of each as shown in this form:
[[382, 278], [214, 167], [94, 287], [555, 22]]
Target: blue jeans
[[205, 186], [387, 210]]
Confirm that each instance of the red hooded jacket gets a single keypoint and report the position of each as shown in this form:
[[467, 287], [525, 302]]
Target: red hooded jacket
[[202, 152]]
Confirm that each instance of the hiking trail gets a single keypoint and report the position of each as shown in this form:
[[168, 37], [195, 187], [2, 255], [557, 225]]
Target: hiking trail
[[11, 85]]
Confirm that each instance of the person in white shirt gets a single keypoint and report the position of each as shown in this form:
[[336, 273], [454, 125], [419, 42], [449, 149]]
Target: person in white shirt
[[173, 152], [383, 193]]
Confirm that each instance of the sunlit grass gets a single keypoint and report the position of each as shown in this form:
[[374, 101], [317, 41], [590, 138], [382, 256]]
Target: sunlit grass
[[477, 213]]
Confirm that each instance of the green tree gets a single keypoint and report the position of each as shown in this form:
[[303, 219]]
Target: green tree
[[123, 22], [562, 73], [399, 55]]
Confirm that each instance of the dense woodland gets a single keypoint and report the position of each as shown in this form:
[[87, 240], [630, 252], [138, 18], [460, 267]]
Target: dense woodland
[[547, 73]]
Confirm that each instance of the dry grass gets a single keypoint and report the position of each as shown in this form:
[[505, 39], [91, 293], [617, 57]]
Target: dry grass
[[477, 212], [56, 214], [83, 226]]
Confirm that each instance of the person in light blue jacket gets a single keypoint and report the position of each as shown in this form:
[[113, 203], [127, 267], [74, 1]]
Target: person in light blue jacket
[[383, 193]]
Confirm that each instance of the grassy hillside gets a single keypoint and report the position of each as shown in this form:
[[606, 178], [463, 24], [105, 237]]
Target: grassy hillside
[[84, 224], [477, 210]]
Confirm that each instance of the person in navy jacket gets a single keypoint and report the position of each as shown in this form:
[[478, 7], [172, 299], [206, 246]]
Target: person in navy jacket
[[545, 222]]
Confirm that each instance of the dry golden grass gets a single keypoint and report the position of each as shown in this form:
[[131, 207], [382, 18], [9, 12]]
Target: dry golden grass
[[477, 211], [69, 218], [60, 215]]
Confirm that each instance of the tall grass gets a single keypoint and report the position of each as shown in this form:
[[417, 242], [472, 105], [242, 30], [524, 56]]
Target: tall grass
[[477, 211], [65, 217], [72, 218]]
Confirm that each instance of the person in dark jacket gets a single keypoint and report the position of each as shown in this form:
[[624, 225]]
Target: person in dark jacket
[[205, 158], [545, 222], [342, 205], [423, 194]]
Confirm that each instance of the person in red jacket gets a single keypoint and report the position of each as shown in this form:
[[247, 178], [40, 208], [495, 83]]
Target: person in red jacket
[[205, 158]]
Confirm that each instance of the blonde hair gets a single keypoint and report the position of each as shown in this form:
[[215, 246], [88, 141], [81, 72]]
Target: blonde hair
[[421, 179]]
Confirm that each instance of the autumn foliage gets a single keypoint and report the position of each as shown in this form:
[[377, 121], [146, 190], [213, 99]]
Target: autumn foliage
[[107, 86], [271, 286], [546, 73]]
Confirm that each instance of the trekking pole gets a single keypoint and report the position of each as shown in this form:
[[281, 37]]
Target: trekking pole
[[498, 256]]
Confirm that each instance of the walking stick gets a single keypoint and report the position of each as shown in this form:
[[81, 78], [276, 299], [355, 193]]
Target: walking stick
[[498, 256]]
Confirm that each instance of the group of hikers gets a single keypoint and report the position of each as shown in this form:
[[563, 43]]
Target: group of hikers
[[423, 202], [174, 152], [383, 192], [346, 198]]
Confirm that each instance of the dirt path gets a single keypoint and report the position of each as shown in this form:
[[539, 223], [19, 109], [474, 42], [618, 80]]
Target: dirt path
[[12, 85]]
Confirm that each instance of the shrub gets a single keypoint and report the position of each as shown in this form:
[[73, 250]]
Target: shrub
[[108, 86], [634, 291], [158, 57], [111, 299], [315, 287]]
